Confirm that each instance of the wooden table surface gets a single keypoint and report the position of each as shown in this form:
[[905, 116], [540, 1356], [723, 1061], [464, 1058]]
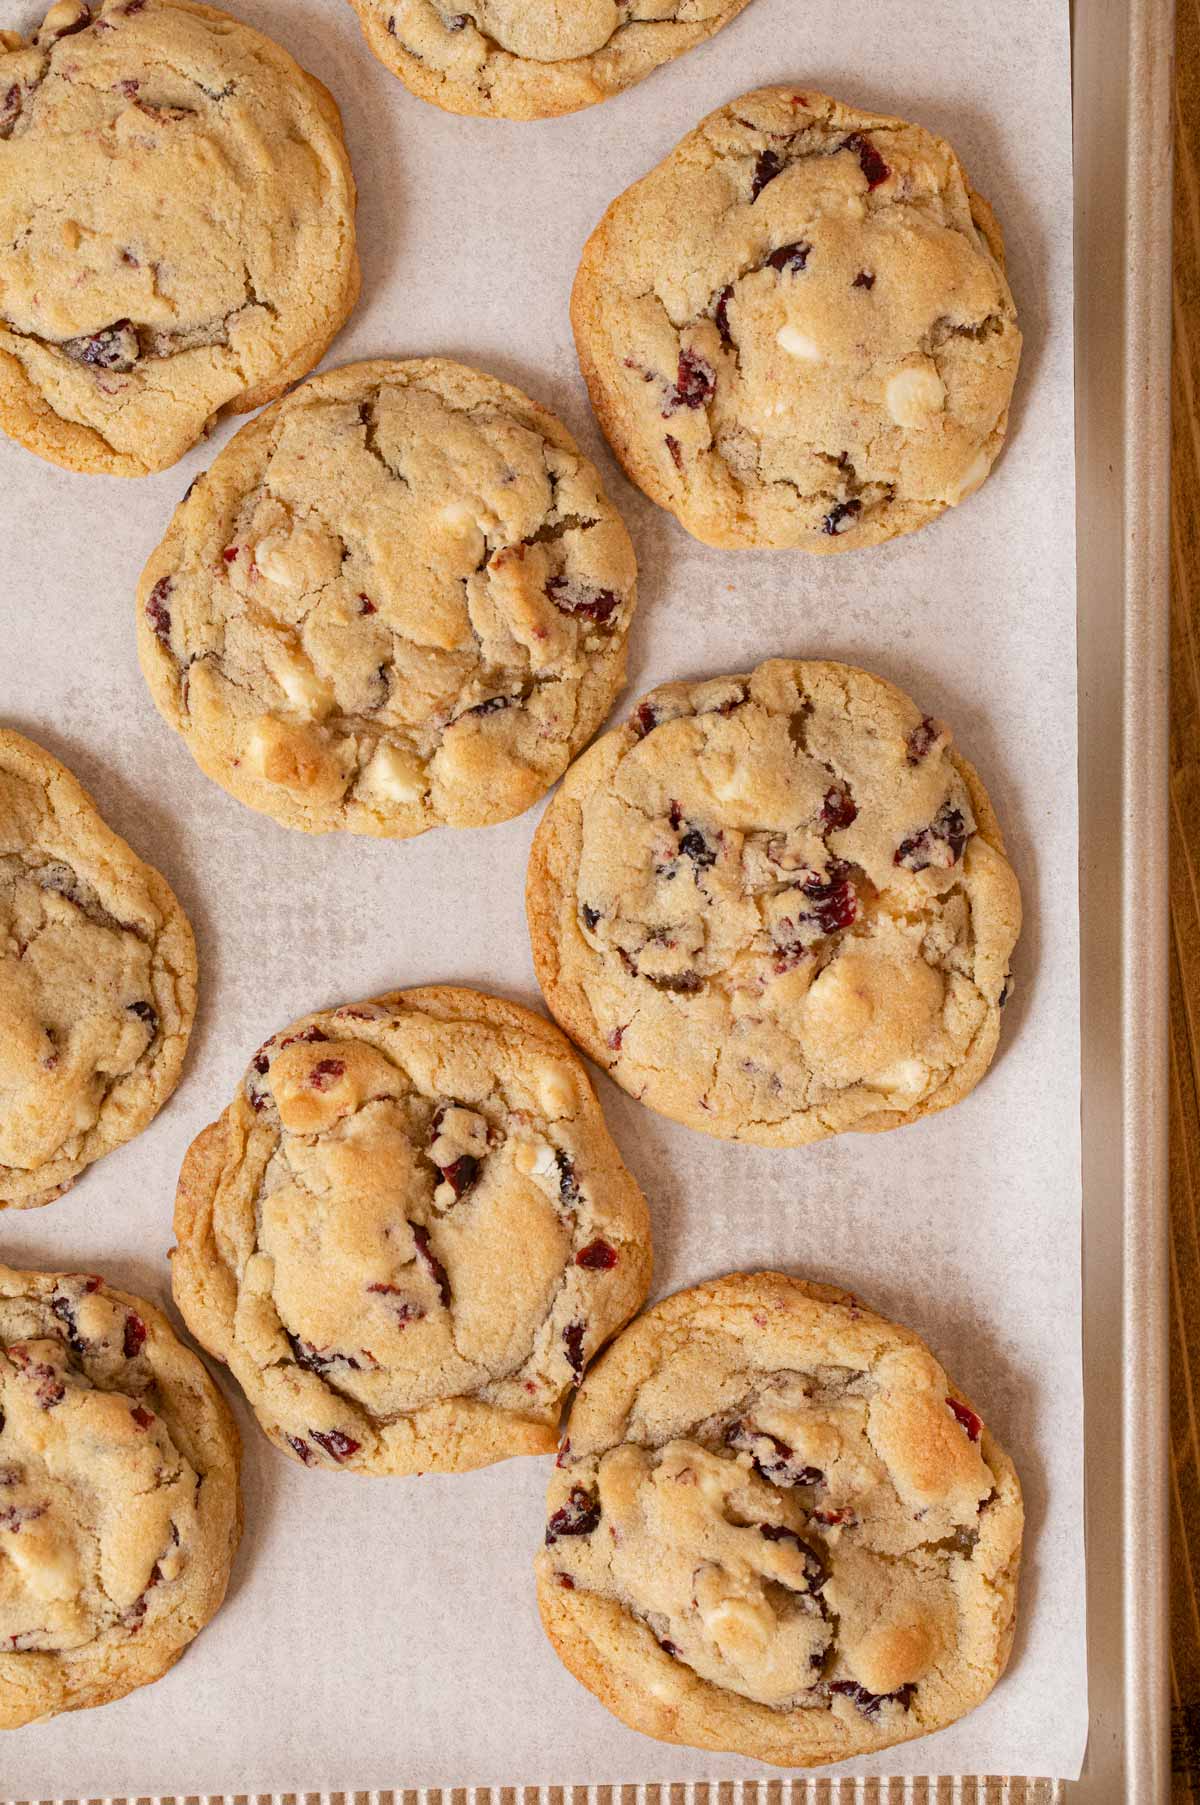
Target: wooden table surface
[[1185, 923]]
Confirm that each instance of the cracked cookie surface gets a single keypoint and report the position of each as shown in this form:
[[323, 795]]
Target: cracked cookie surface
[[409, 1233], [119, 1502], [399, 599], [522, 59], [208, 269], [796, 330], [776, 907], [778, 1530], [97, 981]]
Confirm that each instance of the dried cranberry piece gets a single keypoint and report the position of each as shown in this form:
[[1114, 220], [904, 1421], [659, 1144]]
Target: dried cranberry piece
[[157, 612], [683, 983], [841, 513], [114, 348], [135, 1335], [597, 1256], [590, 916], [948, 829], [10, 109], [644, 719], [921, 741], [568, 1182], [305, 1034], [695, 383], [966, 1416], [766, 168], [461, 1173], [721, 313], [871, 1703], [591, 604], [301, 1448], [839, 808], [142, 1417], [577, 1517], [668, 1647], [815, 1570], [790, 258], [835, 898], [573, 1342], [864, 279], [337, 1445], [676, 451], [366, 605], [61, 1307], [771, 1458], [869, 159], [326, 1073], [145, 1012], [493, 705], [436, 1270]]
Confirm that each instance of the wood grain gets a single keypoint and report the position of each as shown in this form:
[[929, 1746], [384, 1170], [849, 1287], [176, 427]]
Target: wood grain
[[1185, 922]]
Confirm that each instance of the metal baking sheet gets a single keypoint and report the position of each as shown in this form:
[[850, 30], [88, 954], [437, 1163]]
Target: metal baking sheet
[[1122, 216]]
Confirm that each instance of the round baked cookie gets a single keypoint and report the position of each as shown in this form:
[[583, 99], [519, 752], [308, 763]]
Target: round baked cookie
[[777, 906], [522, 59], [97, 981], [409, 1233], [209, 268], [796, 330], [777, 1529], [398, 600], [120, 1510]]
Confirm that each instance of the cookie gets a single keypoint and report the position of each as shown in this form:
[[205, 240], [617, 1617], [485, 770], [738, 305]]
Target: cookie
[[522, 59], [778, 1530], [119, 1503], [208, 270], [399, 599], [777, 906], [796, 330], [409, 1233], [97, 981]]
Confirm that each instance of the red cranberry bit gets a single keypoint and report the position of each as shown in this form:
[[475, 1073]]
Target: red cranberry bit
[[841, 517], [864, 279], [645, 719], [365, 604], [577, 1517], [460, 1174], [695, 383], [835, 897], [815, 1570], [10, 109], [565, 1581], [335, 1444], [767, 167], [142, 1417], [668, 1647], [305, 1034], [869, 159], [676, 451], [145, 1012], [301, 1448], [684, 983], [157, 612], [872, 1703], [61, 1307], [326, 1073], [135, 1335], [948, 828], [771, 1458], [721, 313], [590, 916], [839, 808], [573, 1341], [437, 1271], [829, 1519], [592, 604], [790, 259], [922, 740], [128, 87], [967, 1417], [114, 348], [695, 847], [614, 1039], [597, 1256], [560, 1459]]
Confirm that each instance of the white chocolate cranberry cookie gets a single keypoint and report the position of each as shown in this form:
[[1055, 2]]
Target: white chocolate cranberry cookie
[[399, 599], [777, 906], [409, 1233], [210, 266], [523, 59], [778, 1529], [119, 1502], [796, 330], [97, 981]]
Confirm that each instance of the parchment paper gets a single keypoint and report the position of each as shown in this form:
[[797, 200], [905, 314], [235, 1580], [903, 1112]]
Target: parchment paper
[[383, 1633]]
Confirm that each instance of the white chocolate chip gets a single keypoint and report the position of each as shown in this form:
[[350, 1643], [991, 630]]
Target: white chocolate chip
[[308, 693], [915, 394], [556, 1091], [537, 1159], [971, 479], [397, 775], [798, 344]]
